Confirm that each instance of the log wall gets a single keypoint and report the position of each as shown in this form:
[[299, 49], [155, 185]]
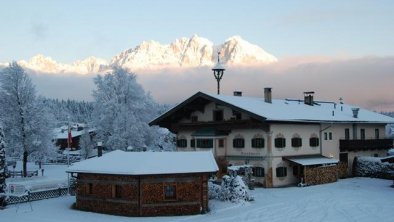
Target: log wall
[[142, 195]]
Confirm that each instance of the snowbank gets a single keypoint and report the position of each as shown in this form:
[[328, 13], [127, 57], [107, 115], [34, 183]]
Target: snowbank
[[373, 167]]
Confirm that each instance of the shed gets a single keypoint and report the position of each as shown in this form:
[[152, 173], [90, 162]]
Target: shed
[[144, 183]]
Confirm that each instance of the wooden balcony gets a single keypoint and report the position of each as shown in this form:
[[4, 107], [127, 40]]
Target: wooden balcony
[[368, 144]]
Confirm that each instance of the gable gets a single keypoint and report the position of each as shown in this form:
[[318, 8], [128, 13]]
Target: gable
[[197, 102]]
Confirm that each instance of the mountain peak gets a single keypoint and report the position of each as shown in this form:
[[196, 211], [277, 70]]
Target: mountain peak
[[235, 38], [184, 52]]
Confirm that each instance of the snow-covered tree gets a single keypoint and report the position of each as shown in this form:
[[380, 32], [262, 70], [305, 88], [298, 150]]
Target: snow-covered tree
[[2, 167], [122, 111], [25, 120], [232, 189], [69, 110], [87, 145]]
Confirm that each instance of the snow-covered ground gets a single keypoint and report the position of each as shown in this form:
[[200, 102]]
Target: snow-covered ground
[[355, 199], [54, 177]]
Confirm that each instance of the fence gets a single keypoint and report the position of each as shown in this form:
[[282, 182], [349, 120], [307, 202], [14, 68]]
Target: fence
[[39, 195], [20, 173]]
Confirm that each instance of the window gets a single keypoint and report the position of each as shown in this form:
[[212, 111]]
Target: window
[[347, 134], [280, 142], [295, 170], [314, 142], [221, 143], [169, 192], [116, 191], [218, 115], [325, 136], [343, 157], [281, 171], [330, 135], [296, 142], [181, 143], [237, 115], [376, 133], [193, 143], [258, 142], [362, 134], [258, 171], [89, 188], [194, 119], [238, 143], [205, 143]]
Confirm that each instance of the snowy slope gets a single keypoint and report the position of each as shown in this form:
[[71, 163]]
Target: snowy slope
[[184, 52]]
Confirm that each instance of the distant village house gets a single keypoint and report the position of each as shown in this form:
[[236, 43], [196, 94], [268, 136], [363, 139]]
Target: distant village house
[[63, 139]]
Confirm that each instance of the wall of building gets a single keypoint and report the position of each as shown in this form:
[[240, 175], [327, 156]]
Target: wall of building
[[101, 199], [330, 147], [142, 195], [283, 181], [288, 131]]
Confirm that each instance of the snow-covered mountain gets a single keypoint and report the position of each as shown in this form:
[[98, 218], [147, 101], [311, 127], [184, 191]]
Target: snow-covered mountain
[[185, 52], [191, 52], [40, 63]]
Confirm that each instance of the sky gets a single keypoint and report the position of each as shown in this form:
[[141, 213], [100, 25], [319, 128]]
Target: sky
[[73, 29], [336, 48]]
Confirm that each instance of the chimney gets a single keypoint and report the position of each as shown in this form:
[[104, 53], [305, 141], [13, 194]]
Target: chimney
[[308, 98], [268, 95], [99, 149], [237, 93], [355, 112]]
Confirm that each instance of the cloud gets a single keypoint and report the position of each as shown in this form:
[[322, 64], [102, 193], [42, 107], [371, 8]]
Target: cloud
[[365, 82], [64, 86]]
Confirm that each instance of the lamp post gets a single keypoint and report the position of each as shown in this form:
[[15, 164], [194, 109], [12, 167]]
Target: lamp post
[[218, 71]]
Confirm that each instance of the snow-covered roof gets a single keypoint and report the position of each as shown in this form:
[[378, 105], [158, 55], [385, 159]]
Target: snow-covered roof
[[312, 160], [296, 110], [147, 163], [62, 132]]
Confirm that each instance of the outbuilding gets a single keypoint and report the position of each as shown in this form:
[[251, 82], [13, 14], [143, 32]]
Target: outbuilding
[[144, 183]]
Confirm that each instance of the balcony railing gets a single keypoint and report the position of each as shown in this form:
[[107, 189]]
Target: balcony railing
[[368, 144]]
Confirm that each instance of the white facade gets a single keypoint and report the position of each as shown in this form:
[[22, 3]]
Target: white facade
[[220, 122]]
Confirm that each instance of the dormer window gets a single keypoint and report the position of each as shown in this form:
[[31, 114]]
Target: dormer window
[[218, 115]]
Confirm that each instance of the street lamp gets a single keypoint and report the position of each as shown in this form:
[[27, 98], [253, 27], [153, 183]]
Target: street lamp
[[218, 71]]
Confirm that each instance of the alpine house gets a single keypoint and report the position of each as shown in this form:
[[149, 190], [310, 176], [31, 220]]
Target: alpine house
[[285, 141]]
